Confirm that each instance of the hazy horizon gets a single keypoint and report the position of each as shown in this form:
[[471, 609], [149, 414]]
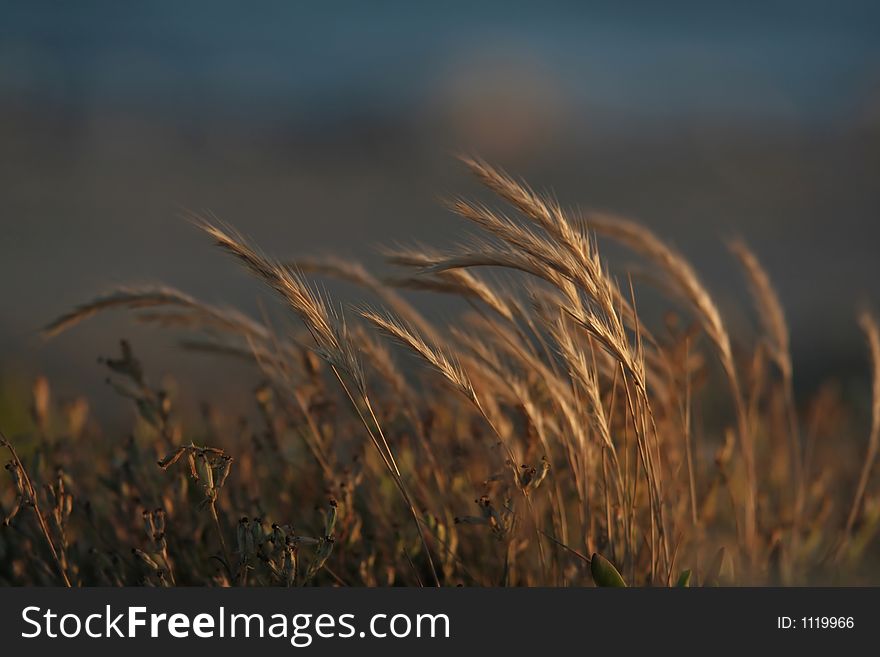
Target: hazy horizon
[[316, 131]]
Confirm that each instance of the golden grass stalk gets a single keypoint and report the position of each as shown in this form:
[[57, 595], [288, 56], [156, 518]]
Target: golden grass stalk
[[453, 281], [564, 256], [872, 332], [547, 214], [688, 285], [332, 341], [354, 272], [772, 318], [322, 323], [446, 365], [159, 297], [453, 372], [770, 311]]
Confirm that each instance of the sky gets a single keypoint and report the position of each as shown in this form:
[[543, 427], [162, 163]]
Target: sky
[[637, 58]]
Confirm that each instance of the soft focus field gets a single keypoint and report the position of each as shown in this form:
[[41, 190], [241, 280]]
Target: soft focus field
[[550, 434]]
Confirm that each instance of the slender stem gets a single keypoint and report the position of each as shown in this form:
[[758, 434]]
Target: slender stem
[[405, 493], [686, 427], [750, 524], [860, 490], [36, 506], [797, 464], [391, 466], [222, 541], [512, 459]]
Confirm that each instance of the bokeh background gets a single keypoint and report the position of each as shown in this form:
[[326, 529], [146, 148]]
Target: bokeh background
[[330, 127]]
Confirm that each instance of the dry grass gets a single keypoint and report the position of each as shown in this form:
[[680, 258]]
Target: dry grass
[[554, 438]]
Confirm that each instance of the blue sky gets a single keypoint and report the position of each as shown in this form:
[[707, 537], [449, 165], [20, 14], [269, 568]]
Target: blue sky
[[633, 59]]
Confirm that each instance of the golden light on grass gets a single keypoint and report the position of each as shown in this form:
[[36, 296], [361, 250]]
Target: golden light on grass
[[574, 427]]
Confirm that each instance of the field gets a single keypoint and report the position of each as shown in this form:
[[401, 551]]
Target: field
[[550, 436]]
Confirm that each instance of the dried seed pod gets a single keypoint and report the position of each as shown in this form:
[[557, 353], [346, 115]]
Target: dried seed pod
[[225, 468], [146, 558], [172, 458], [191, 459], [290, 559], [258, 532], [241, 534], [322, 553], [206, 472], [149, 527], [537, 475], [527, 476]]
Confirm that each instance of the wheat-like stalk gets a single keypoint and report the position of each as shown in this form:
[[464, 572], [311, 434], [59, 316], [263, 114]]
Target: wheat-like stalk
[[331, 337], [872, 332], [770, 311], [159, 297], [772, 318], [446, 365], [688, 286], [324, 324]]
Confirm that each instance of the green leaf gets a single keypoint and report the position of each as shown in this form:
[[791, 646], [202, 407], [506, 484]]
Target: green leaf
[[684, 580], [604, 573]]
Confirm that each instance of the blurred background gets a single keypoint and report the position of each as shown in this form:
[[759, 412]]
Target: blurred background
[[330, 127]]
